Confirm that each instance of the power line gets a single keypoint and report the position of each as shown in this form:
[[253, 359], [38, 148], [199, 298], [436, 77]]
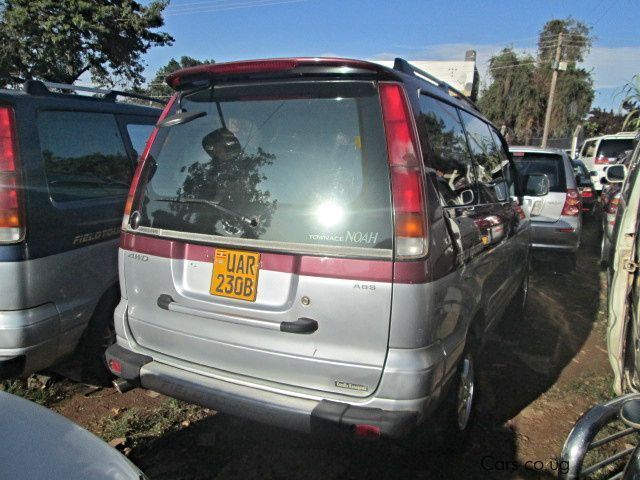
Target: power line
[[235, 6]]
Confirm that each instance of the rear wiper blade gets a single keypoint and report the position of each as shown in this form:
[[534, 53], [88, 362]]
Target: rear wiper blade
[[252, 222]]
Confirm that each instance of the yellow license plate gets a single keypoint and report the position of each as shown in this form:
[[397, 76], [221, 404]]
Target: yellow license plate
[[235, 274]]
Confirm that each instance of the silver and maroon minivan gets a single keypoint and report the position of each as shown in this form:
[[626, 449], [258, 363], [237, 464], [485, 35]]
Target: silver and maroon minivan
[[319, 244]]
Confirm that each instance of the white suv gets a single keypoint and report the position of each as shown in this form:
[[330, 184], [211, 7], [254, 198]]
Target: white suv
[[598, 152]]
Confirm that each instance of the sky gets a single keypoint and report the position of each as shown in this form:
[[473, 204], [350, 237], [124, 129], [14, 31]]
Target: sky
[[227, 30]]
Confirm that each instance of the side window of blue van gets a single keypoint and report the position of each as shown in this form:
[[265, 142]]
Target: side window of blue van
[[439, 125], [84, 155]]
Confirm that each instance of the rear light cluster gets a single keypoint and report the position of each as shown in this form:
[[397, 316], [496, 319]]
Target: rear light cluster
[[406, 173], [572, 205], [141, 162], [11, 216], [586, 192]]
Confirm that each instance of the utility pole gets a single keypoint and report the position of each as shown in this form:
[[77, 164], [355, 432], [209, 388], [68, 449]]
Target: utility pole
[[552, 91]]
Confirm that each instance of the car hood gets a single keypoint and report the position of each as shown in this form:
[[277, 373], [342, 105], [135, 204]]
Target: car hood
[[38, 443]]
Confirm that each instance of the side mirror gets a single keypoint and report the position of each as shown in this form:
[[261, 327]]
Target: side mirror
[[467, 196], [616, 173], [536, 185]]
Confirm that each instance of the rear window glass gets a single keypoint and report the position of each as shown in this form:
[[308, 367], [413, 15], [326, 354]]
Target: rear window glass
[[611, 148], [298, 163], [84, 155], [551, 165]]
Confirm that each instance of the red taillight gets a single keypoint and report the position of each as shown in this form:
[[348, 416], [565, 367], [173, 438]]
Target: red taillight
[[586, 193], [406, 173], [602, 160], [572, 205], [367, 431], [115, 366], [612, 206], [141, 161], [11, 215]]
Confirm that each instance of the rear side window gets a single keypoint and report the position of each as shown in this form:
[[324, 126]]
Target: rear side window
[[296, 163], [491, 183], [439, 125], [139, 133], [589, 149], [84, 155], [611, 148], [551, 165]]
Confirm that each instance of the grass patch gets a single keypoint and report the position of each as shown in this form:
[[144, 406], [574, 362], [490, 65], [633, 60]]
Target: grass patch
[[45, 395], [137, 425]]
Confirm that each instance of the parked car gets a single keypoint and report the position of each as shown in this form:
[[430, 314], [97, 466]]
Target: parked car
[[608, 432], [609, 201], [39, 443], [556, 218], [66, 162], [302, 288], [586, 188], [624, 292], [598, 152]]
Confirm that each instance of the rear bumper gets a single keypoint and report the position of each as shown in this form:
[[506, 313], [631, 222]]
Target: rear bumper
[[562, 235], [275, 407], [28, 339]]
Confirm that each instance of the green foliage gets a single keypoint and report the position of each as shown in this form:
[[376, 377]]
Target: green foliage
[[512, 98], [603, 122], [631, 102], [59, 40], [158, 88], [519, 88]]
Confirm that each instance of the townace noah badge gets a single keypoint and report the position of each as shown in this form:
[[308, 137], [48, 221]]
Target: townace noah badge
[[271, 182]]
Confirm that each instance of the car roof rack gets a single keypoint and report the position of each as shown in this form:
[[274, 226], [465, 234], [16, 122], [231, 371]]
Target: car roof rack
[[402, 65], [38, 87]]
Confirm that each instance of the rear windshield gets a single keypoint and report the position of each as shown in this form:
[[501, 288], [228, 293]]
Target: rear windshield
[[611, 148], [551, 165], [300, 163]]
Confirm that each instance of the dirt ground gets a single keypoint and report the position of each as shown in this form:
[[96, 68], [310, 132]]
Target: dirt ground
[[539, 374]]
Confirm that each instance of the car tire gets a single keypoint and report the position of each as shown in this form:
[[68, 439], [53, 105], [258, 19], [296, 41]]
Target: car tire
[[99, 335]]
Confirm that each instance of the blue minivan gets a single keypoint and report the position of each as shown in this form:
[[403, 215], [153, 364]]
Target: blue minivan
[[66, 161]]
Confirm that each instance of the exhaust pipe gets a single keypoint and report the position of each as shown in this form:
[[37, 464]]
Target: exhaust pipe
[[122, 385]]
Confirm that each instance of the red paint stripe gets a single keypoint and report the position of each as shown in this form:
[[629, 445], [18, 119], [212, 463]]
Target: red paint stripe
[[329, 267]]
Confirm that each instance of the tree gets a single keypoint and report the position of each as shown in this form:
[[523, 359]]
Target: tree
[[59, 40], [603, 122], [512, 98], [518, 90], [158, 88]]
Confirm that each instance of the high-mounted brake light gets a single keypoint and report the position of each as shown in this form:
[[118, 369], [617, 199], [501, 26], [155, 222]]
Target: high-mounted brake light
[[406, 173], [572, 204], [141, 162], [602, 160], [11, 216]]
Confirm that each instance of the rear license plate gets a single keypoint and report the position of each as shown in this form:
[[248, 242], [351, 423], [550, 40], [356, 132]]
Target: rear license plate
[[235, 274]]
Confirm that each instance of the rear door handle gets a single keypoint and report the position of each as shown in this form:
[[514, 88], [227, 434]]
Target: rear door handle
[[302, 325]]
